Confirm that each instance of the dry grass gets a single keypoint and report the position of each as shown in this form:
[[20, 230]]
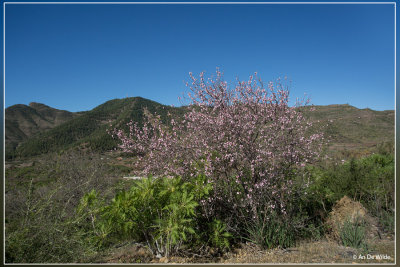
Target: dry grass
[[130, 254], [322, 251], [312, 252]]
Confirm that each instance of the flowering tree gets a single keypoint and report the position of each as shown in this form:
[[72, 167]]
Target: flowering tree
[[247, 141]]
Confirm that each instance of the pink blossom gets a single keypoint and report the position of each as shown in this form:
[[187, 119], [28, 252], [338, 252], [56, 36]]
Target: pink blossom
[[243, 137]]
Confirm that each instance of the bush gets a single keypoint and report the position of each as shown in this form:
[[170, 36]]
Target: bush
[[158, 211], [40, 205], [387, 220], [352, 233], [247, 140], [269, 231], [219, 237], [43, 233]]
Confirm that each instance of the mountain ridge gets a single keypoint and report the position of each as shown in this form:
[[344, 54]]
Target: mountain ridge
[[89, 128], [56, 130], [23, 121]]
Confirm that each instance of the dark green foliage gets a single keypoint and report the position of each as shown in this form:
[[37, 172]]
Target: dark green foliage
[[89, 209], [60, 137], [163, 213]]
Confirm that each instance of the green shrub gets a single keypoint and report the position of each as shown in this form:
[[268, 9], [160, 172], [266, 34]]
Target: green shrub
[[158, 211], [90, 209], [219, 237], [43, 234], [352, 233], [386, 220], [177, 220], [269, 231]]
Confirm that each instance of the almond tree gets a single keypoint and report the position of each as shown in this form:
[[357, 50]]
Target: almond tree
[[247, 141]]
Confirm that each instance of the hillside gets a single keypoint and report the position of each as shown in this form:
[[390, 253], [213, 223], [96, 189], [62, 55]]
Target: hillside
[[89, 130], [43, 129], [352, 129], [23, 122]]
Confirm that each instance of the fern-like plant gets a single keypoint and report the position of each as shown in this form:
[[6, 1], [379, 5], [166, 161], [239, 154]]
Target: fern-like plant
[[219, 236], [158, 211], [91, 209]]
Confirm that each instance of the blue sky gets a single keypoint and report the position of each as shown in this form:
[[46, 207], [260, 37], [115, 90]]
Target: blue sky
[[75, 57]]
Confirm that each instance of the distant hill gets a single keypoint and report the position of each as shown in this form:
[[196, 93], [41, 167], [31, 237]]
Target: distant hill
[[89, 129], [347, 127], [23, 122], [350, 128]]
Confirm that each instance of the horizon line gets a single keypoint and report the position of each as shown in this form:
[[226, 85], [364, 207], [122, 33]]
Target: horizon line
[[183, 105]]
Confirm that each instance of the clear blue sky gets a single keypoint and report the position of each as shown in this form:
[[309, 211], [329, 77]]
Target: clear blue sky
[[75, 57]]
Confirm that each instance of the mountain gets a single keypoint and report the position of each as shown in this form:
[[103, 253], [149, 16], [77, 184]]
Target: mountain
[[89, 129], [347, 127], [23, 122]]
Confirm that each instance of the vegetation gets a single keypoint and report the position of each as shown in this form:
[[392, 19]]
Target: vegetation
[[270, 232], [247, 141], [159, 212], [43, 223], [352, 233], [71, 208], [369, 180], [238, 166], [41, 202]]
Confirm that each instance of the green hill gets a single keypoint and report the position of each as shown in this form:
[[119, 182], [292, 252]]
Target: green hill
[[347, 128], [89, 130], [23, 122]]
